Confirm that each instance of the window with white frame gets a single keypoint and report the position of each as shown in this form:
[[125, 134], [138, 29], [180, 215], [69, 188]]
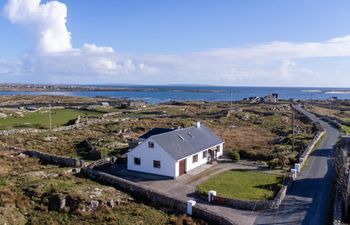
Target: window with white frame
[[151, 144], [137, 161], [205, 154], [195, 158], [156, 164]]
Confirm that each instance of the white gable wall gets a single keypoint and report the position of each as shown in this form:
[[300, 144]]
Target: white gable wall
[[221, 150], [147, 156]]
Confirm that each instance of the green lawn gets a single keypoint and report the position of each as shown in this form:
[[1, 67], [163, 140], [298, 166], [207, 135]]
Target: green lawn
[[243, 184], [346, 129], [60, 117]]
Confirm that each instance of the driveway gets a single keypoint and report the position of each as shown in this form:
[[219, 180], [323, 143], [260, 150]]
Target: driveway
[[308, 200], [184, 187]]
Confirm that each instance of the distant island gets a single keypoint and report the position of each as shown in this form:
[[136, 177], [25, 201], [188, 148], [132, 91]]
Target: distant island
[[69, 88]]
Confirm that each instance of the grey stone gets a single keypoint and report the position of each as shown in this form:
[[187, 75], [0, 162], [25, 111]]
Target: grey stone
[[94, 204]]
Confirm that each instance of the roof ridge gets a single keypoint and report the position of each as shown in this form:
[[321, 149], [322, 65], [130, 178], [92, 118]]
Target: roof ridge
[[172, 131]]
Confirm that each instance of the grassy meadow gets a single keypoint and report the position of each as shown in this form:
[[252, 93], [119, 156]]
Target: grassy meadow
[[40, 119]]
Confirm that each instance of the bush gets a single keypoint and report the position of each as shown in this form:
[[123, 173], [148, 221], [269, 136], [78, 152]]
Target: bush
[[243, 154], [234, 156], [272, 163], [292, 160]]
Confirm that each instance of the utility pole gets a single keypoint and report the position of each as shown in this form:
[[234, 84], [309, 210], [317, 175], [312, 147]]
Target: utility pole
[[311, 98], [50, 121], [230, 100], [293, 127]]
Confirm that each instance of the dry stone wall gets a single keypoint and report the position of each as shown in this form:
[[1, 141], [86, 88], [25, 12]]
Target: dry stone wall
[[143, 193]]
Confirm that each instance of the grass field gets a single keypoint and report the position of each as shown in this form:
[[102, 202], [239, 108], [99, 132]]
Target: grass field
[[243, 184], [346, 129], [60, 117]]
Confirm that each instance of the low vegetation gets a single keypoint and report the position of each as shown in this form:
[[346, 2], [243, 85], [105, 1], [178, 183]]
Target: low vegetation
[[243, 184], [32, 193], [234, 156], [255, 131], [40, 119], [346, 129]]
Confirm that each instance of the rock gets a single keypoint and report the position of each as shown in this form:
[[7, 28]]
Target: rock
[[49, 139], [57, 202], [245, 117], [21, 155], [94, 205], [62, 203], [111, 203], [3, 115], [39, 174]]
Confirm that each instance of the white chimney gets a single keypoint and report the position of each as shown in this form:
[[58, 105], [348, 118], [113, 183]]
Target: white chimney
[[198, 124]]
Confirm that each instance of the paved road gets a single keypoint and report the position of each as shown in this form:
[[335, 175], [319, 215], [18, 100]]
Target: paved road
[[307, 201]]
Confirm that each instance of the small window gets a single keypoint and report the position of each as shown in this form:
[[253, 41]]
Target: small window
[[137, 161], [151, 144], [195, 159], [205, 154], [156, 164]]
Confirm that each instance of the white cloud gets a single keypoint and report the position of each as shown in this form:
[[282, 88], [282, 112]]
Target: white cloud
[[54, 55], [47, 19], [54, 58]]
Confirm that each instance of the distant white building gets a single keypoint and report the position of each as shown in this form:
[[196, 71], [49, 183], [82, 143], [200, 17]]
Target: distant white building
[[270, 98], [172, 153]]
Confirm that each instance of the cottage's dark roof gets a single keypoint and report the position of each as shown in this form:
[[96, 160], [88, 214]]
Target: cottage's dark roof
[[155, 131], [184, 142]]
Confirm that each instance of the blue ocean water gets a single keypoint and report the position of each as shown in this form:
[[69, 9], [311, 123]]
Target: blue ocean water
[[207, 93]]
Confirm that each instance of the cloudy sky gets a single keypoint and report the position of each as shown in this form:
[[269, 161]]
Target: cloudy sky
[[226, 42]]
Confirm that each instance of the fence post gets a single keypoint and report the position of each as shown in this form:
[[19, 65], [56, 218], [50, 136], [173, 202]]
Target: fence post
[[190, 204], [210, 195]]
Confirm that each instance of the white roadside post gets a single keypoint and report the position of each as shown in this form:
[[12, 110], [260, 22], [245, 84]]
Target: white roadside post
[[210, 195], [190, 204], [294, 173]]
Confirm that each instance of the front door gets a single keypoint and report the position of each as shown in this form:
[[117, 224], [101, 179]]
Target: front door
[[212, 155], [182, 167]]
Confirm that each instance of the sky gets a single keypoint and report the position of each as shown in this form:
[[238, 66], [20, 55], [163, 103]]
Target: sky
[[210, 42]]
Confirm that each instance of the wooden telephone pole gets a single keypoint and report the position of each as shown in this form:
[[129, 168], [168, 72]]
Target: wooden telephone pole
[[50, 120], [293, 128]]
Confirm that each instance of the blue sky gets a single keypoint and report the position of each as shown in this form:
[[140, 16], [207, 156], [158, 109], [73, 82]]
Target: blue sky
[[282, 43]]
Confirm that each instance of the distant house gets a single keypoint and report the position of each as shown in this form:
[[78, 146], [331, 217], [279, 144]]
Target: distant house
[[255, 99], [333, 98], [270, 98], [172, 153]]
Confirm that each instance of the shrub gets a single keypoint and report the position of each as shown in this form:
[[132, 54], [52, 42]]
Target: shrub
[[201, 191], [292, 160], [234, 156], [273, 163], [243, 154]]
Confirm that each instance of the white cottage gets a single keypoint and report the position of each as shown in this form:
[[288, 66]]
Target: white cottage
[[172, 153]]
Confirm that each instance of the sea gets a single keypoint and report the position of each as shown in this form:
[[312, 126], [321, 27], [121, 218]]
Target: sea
[[158, 94]]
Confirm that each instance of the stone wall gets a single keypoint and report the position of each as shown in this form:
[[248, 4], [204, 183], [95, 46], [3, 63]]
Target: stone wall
[[55, 160], [255, 205], [143, 193], [242, 204], [102, 120]]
